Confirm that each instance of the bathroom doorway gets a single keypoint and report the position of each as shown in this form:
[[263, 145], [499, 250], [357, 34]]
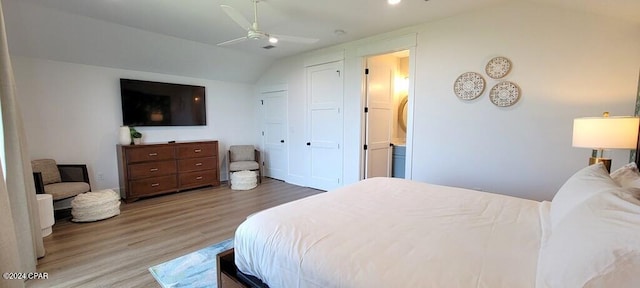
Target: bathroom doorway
[[386, 106]]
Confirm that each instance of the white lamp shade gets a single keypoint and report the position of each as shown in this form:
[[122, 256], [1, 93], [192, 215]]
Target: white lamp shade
[[605, 132]]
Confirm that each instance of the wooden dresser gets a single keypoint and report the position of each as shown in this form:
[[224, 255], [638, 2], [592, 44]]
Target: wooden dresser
[[153, 169]]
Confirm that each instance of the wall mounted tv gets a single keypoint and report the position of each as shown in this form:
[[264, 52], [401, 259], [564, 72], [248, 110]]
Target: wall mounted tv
[[147, 103]]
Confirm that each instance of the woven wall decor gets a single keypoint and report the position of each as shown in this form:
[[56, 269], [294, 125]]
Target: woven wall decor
[[498, 67], [504, 94], [469, 86]]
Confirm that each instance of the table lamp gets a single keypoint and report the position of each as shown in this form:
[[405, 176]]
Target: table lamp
[[599, 133]]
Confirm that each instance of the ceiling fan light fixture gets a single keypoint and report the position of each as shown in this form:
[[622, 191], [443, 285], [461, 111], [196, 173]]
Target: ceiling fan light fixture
[[393, 2], [253, 33]]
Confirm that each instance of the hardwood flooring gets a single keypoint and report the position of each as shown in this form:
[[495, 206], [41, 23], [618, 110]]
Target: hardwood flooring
[[117, 252]]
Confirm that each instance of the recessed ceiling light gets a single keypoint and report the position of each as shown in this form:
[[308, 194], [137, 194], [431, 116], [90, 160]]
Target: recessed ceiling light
[[393, 2]]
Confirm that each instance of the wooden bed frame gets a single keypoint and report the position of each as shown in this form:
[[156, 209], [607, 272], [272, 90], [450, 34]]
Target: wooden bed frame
[[230, 277]]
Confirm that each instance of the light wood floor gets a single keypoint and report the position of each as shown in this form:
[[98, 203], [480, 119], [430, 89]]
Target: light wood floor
[[118, 251]]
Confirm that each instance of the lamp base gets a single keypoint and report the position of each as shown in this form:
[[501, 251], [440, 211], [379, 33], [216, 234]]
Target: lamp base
[[605, 161]]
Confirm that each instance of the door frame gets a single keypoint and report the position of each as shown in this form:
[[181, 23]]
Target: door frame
[[406, 42]]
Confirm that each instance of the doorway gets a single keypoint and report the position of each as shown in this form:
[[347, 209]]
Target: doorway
[[385, 114]]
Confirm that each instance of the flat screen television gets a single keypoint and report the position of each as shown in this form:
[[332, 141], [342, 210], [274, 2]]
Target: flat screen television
[[147, 103]]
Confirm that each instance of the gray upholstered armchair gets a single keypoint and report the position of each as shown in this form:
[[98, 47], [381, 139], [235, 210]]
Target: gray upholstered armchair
[[244, 157], [63, 182]]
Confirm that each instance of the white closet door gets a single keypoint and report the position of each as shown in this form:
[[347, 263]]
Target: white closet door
[[274, 105], [325, 97]]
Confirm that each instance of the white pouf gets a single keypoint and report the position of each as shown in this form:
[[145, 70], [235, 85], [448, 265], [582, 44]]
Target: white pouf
[[45, 209], [243, 180], [93, 206]]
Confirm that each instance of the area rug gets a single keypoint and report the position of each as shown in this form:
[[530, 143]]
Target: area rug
[[196, 269]]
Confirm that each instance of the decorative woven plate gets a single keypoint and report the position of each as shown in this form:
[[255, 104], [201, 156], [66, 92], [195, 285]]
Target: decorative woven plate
[[469, 86], [504, 94], [498, 67]]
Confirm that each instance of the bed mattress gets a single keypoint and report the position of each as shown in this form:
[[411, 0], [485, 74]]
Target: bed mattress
[[387, 232]]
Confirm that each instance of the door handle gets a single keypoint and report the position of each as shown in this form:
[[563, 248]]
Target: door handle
[[308, 143], [281, 141]]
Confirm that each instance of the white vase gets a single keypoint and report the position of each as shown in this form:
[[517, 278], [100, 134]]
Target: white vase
[[125, 135]]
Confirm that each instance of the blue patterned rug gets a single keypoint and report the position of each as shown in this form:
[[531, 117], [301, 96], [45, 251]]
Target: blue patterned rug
[[196, 269]]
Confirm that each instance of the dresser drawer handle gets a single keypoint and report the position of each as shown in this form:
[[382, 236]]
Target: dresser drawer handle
[[153, 154], [197, 150], [198, 164], [155, 184], [153, 169], [199, 178]]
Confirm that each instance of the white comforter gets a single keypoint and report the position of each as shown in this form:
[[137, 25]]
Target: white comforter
[[386, 232]]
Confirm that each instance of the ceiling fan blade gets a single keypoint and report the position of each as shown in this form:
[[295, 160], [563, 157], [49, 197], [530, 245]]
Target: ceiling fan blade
[[236, 17], [237, 40], [295, 39]]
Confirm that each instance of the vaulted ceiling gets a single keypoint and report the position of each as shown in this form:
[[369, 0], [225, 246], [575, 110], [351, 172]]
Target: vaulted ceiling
[[203, 22]]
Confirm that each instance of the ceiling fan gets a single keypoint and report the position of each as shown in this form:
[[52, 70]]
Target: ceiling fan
[[254, 33]]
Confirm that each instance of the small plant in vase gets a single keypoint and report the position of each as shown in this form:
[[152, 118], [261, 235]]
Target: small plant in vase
[[136, 137]]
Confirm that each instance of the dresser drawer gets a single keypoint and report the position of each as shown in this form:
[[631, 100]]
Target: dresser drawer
[[152, 169], [198, 178], [194, 150], [151, 153], [155, 185], [197, 164]]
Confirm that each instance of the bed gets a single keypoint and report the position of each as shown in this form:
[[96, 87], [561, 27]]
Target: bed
[[387, 232]]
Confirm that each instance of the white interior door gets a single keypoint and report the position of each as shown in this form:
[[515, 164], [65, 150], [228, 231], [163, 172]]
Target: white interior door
[[379, 115], [325, 96], [274, 105]]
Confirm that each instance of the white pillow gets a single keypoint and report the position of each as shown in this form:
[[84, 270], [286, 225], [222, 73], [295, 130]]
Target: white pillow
[[596, 245], [584, 184], [627, 175]]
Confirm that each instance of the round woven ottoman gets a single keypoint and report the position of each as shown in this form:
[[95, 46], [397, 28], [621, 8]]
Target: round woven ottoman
[[94, 206], [243, 180]]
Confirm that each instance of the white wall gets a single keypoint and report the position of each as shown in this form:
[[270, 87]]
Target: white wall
[[72, 113], [568, 64]]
